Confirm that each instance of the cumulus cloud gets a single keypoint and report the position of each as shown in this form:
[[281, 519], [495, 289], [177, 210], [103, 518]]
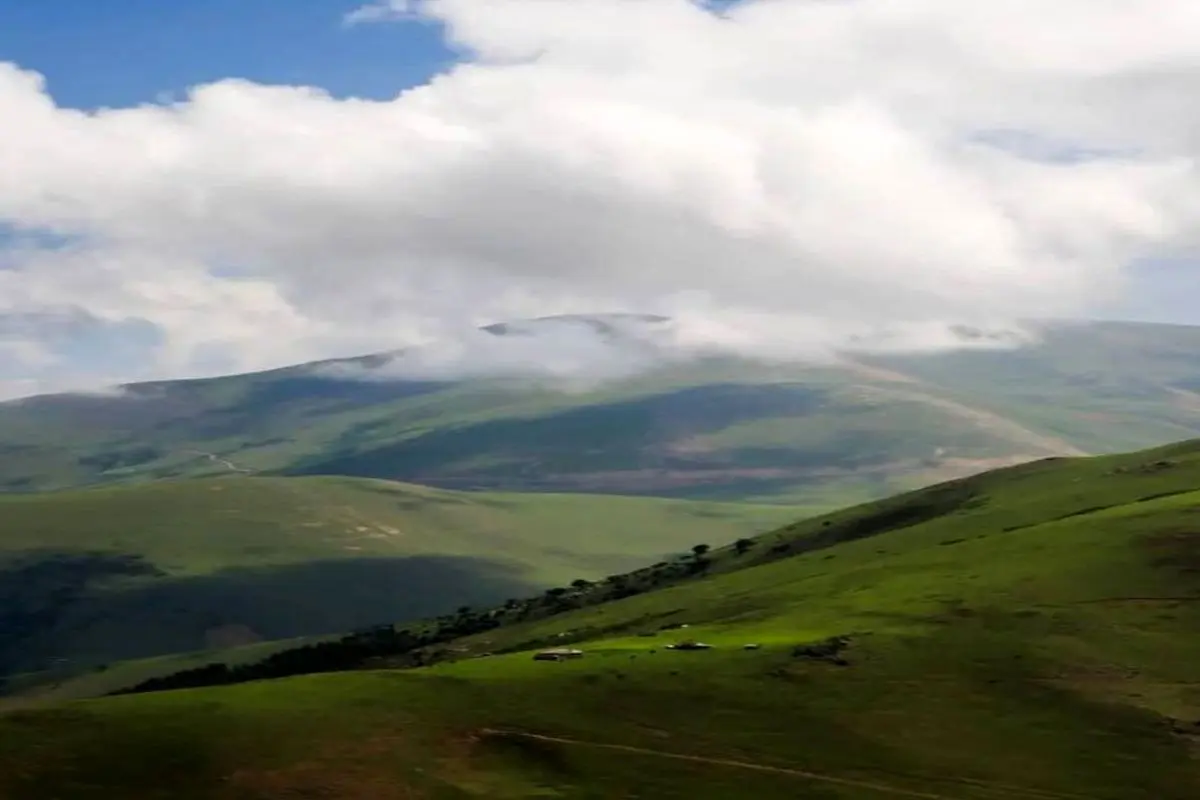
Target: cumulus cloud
[[382, 11], [570, 352], [791, 177], [579, 353]]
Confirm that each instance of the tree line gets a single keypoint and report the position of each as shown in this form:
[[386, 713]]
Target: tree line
[[417, 644]]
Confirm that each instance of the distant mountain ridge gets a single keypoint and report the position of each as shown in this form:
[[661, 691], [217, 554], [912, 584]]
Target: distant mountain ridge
[[708, 427]]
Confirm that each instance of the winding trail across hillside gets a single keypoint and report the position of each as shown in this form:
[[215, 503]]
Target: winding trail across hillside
[[216, 459], [893, 383], [1009, 792]]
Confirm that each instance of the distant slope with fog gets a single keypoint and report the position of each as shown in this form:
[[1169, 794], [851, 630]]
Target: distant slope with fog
[[610, 405]]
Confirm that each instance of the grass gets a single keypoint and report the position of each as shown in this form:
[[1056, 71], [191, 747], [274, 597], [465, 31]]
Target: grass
[[197, 526], [126, 572], [1022, 635]]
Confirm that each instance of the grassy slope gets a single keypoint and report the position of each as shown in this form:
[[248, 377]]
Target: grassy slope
[[719, 432], [300, 556], [1032, 639], [196, 526], [717, 429], [1104, 387]]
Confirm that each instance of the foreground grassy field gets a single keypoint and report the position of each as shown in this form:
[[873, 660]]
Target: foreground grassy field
[[1028, 634], [123, 572]]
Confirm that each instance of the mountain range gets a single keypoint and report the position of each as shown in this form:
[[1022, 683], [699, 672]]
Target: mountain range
[[421, 523], [187, 515], [625, 415]]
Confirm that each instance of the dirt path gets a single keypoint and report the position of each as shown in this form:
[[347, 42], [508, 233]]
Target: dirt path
[[1189, 401], [229, 465], [353, 520], [347, 518], [905, 387], [990, 421], [1010, 792]]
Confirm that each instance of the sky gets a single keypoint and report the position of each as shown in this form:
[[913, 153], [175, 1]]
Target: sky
[[199, 188]]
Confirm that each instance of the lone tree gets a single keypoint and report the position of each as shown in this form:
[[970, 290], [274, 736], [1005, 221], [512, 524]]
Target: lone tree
[[699, 550], [742, 545], [580, 583]]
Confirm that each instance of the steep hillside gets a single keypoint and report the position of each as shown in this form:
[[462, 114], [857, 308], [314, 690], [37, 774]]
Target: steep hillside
[[98, 575], [715, 428], [1027, 634]]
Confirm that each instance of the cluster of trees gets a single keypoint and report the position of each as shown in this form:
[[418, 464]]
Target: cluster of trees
[[348, 652], [418, 645]]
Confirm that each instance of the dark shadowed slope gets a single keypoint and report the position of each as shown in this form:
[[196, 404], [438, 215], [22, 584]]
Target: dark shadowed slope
[[104, 574]]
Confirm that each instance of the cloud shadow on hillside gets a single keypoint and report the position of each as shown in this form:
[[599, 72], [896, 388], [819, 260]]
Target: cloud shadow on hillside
[[148, 617]]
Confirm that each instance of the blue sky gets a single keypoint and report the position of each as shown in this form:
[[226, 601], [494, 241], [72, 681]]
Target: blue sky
[[123, 52], [118, 53], [790, 173]]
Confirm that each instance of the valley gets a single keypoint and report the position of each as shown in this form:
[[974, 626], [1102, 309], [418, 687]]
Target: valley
[[600, 400], [94, 576], [1024, 633], [912, 575]]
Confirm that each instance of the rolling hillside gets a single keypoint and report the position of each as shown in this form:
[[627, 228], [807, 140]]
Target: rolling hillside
[[88, 577], [1027, 634], [716, 428]]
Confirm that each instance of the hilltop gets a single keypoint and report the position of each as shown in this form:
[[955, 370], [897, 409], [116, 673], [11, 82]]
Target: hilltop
[[93, 576], [716, 428], [1022, 634]]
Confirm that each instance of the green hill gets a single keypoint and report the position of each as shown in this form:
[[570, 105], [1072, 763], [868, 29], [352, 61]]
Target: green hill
[[1027, 634], [88, 577], [716, 428]]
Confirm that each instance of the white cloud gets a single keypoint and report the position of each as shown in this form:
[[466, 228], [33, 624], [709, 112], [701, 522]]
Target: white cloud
[[796, 175], [578, 353], [382, 11], [569, 351]]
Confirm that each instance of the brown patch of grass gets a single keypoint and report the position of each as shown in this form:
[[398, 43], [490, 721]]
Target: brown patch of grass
[[318, 781], [228, 636], [364, 769], [1177, 549]]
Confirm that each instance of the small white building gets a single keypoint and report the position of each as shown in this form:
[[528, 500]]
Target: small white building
[[557, 654]]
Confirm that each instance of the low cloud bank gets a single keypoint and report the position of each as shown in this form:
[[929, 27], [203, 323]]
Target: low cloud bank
[[782, 177], [580, 352]]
